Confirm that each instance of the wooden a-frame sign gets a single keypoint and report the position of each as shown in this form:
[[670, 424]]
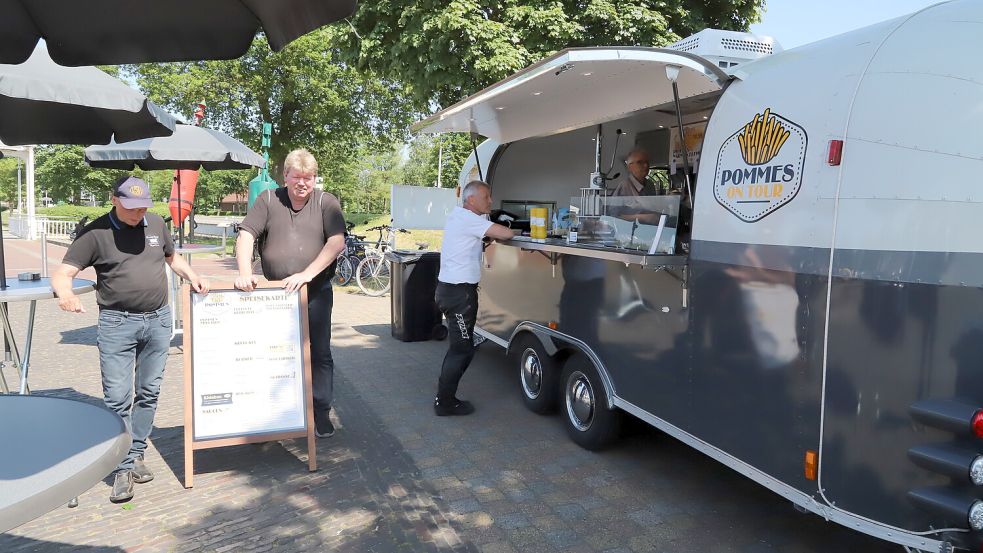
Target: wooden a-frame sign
[[247, 369]]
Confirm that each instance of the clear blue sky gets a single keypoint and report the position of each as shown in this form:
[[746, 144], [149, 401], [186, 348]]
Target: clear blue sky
[[797, 22]]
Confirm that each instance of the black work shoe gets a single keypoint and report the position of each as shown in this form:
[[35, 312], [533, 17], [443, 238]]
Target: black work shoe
[[122, 487], [141, 472], [454, 407], [322, 424]]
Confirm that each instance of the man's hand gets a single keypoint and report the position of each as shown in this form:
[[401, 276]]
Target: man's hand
[[246, 283], [199, 285], [293, 282], [72, 304]]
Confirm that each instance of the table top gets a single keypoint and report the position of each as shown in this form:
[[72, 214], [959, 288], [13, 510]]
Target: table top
[[54, 449], [27, 290], [192, 249]]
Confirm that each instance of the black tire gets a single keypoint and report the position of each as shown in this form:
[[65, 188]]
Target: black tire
[[344, 271], [589, 422], [539, 374]]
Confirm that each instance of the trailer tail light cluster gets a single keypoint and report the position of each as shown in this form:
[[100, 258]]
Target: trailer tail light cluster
[[961, 460]]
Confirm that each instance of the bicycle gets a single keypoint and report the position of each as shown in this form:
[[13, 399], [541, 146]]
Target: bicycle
[[373, 274], [352, 255]]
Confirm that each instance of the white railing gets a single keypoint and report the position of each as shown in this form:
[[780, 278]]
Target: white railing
[[52, 226]]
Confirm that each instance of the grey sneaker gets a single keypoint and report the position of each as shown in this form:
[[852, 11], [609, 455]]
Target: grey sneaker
[[141, 472], [323, 428], [122, 487]]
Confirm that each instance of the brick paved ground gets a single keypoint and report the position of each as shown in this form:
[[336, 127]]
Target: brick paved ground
[[396, 478]]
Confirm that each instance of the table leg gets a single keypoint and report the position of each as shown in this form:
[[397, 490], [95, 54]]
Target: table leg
[[27, 348], [9, 335]]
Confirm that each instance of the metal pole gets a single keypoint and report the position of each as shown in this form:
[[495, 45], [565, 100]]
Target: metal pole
[[440, 159], [27, 349], [44, 251], [20, 202], [682, 141], [180, 220]]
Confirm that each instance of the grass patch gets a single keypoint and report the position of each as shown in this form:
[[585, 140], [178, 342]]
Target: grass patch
[[433, 238]]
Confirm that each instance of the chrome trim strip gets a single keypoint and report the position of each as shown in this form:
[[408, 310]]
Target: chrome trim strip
[[491, 337], [801, 499], [597, 252], [601, 369]]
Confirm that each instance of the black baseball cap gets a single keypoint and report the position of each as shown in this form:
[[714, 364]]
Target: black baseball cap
[[133, 193]]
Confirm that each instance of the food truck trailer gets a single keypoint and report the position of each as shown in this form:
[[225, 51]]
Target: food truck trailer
[[801, 301]]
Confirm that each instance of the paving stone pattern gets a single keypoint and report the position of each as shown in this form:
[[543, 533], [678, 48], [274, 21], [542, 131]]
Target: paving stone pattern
[[395, 477]]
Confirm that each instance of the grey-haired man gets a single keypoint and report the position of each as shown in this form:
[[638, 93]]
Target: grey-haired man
[[457, 289], [128, 248]]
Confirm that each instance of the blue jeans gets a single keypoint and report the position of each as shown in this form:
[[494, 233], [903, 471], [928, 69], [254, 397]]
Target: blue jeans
[[132, 350]]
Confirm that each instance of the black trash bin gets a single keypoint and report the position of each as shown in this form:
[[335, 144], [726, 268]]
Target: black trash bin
[[415, 316]]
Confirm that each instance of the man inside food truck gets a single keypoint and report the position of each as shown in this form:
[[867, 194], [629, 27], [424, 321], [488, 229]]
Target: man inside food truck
[[457, 289], [636, 182]]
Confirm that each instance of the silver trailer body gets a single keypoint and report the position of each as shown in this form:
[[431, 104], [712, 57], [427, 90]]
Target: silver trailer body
[[825, 306]]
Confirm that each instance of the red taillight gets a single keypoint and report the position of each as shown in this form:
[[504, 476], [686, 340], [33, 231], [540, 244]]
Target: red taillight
[[835, 152], [977, 423]]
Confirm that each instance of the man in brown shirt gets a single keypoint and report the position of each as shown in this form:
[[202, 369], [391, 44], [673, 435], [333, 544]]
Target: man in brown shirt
[[303, 233]]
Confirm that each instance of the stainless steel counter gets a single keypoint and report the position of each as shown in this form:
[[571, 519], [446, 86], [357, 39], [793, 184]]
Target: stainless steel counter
[[561, 247]]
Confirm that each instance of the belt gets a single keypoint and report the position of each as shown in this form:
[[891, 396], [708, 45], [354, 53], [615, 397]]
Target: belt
[[442, 283], [166, 310]]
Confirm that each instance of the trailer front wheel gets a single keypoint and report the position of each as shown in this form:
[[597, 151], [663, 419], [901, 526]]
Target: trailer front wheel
[[588, 420], [538, 375]]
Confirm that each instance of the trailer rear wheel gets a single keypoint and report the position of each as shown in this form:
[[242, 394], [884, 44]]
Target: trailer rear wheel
[[589, 422], [539, 375]]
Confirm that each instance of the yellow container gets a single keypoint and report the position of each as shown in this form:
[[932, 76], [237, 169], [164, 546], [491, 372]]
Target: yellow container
[[537, 223]]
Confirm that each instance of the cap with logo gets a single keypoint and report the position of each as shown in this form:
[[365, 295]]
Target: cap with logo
[[133, 193]]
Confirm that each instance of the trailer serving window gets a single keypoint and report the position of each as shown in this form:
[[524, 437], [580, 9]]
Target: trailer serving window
[[554, 120]]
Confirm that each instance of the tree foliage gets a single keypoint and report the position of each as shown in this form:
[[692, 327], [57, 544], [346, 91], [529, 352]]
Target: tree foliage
[[310, 97], [447, 49]]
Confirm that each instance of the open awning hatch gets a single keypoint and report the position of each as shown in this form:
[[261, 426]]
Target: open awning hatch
[[576, 88]]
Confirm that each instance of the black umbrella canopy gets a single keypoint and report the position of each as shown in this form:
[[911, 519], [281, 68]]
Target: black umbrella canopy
[[188, 148], [110, 32], [42, 102]]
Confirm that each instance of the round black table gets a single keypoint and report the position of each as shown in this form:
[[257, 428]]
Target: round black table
[[53, 450]]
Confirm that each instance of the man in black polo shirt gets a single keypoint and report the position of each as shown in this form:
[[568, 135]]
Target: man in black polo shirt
[[303, 233], [128, 248]]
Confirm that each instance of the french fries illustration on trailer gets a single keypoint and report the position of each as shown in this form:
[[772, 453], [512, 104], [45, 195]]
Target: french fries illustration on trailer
[[762, 138]]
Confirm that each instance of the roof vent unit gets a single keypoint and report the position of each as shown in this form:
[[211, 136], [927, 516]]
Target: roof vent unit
[[727, 48]]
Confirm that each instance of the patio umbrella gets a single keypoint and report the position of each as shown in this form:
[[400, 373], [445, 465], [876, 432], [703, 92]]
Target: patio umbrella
[[189, 147], [44, 103], [110, 32]]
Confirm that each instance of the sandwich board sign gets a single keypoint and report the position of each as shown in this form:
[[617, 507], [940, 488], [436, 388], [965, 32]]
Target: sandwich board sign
[[247, 369]]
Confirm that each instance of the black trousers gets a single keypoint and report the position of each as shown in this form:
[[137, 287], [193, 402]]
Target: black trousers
[[459, 304], [320, 300]]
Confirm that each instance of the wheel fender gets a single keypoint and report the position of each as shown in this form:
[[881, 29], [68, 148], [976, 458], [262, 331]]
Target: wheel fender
[[553, 341]]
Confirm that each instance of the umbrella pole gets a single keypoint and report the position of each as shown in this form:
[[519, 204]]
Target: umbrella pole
[[3, 265], [180, 225]]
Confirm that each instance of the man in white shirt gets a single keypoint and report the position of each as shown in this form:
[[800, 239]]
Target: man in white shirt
[[457, 289]]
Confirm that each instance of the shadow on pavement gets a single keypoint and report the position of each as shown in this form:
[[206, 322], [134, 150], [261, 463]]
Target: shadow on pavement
[[28, 544], [367, 494], [85, 336]]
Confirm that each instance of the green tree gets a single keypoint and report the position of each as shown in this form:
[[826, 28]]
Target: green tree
[[427, 152], [312, 99], [62, 172], [447, 49], [8, 181]]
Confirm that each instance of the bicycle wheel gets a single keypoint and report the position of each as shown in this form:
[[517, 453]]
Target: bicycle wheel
[[343, 271], [373, 276]]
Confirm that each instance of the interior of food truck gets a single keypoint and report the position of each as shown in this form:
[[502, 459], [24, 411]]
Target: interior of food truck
[[565, 127], [552, 171]]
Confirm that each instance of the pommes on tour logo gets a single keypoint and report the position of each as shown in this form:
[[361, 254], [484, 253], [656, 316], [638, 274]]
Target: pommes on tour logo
[[759, 168]]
